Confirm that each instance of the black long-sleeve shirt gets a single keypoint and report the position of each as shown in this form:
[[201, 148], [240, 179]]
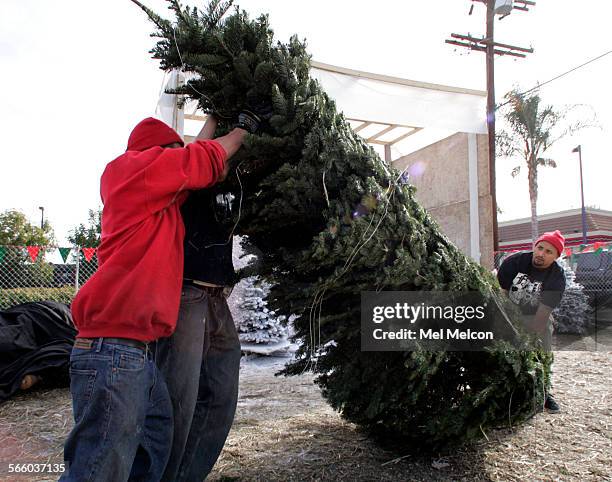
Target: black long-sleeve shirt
[[208, 239]]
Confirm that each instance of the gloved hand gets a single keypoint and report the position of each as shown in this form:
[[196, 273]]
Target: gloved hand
[[255, 112], [249, 121]]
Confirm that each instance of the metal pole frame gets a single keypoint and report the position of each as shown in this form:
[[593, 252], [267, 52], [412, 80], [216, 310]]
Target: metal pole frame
[[76, 270], [490, 60]]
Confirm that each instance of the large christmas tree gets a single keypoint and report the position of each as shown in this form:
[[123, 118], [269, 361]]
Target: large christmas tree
[[331, 220]]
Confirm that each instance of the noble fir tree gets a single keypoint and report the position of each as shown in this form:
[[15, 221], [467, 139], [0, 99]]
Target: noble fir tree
[[331, 220]]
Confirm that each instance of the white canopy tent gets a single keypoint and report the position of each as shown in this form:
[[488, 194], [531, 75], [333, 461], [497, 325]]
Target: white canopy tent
[[391, 111], [397, 116], [386, 111]]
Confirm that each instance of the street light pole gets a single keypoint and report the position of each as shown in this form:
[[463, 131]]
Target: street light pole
[[578, 149], [42, 217]]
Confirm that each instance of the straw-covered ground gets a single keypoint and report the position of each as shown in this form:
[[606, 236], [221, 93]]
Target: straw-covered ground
[[284, 430]]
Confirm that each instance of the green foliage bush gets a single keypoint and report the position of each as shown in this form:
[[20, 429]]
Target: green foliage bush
[[17, 296]]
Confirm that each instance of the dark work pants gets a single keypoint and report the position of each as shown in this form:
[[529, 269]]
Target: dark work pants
[[200, 363], [546, 337]]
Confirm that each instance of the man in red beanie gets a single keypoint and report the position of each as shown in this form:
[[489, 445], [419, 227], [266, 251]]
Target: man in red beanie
[[122, 410], [535, 282]]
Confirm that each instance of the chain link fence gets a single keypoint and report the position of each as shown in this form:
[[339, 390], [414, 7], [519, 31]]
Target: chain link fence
[[37, 273]]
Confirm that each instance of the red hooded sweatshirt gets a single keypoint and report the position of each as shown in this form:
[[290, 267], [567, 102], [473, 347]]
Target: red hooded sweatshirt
[[136, 291]]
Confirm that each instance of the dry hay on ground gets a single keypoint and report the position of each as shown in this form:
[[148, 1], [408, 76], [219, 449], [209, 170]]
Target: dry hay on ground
[[284, 430], [33, 427]]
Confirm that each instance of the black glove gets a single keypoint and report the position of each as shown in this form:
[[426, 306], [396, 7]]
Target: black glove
[[257, 109], [249, 121]]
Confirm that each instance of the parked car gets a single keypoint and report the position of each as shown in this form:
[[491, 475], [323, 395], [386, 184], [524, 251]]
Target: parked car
[[63, 274], [594, 272]]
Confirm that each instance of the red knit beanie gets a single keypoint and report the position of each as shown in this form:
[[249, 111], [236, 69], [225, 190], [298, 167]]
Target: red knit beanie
[[555, 238], [152, 132]]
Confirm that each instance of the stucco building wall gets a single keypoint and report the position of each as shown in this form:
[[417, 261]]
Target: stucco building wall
[[442, 181]]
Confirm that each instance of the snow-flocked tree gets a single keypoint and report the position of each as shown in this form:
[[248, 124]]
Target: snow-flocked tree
[[255, 322]]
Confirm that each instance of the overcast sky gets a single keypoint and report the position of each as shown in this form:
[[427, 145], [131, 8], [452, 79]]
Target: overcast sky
[[76, 76]]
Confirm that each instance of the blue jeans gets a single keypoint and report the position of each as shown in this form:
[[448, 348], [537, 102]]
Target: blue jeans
[[200, 363], [122, 413]]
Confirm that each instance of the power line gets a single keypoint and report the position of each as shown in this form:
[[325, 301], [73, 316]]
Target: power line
[[491, 48], [558, 76]]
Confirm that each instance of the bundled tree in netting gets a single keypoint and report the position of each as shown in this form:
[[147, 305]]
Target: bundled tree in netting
[[331, 220], [573, 315]]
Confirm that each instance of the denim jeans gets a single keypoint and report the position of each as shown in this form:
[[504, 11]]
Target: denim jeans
[[122, 413], [200, 363]]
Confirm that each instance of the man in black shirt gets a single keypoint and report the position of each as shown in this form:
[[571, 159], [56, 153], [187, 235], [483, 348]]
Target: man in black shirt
[[535, 282], [201, 360]]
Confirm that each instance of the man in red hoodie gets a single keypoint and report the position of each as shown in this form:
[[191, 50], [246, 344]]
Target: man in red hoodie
[[122, 411]]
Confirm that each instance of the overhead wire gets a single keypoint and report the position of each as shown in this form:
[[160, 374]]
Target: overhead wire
[[557, 77]]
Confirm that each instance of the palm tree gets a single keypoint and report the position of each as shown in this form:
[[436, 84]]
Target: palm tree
[[531, 125], [533, 129]]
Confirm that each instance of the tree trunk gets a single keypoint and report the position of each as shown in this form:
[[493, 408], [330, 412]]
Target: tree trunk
[[533, 197]]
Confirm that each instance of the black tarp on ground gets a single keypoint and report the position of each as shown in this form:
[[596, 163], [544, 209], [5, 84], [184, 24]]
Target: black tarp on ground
[[35, 338]]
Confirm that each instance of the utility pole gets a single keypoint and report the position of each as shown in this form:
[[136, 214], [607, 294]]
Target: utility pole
[[491, 48]]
